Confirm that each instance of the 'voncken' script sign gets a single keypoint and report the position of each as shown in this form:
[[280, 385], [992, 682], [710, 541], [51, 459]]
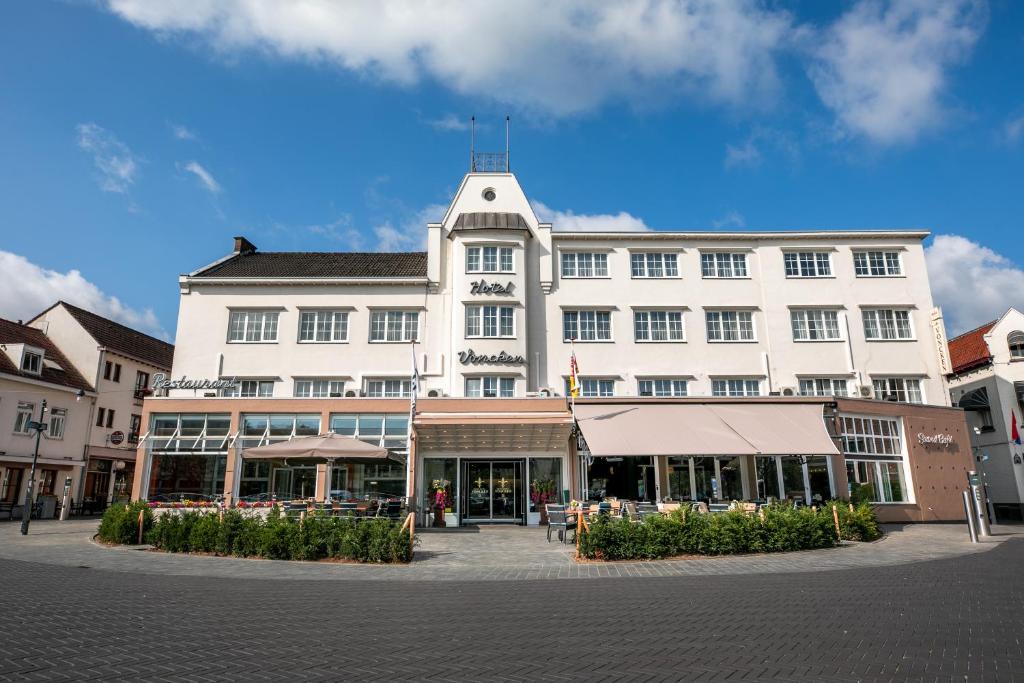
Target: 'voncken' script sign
[[467, 357]]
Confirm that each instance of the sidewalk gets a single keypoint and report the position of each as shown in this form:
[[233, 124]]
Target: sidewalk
[[486, 553]]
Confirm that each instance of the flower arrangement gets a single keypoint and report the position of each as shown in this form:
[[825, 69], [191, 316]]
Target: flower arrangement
[[244, 504], [543, 492], [441, 496], [184, 504]]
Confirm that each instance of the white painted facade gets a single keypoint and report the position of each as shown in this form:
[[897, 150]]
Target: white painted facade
[[539, 297]]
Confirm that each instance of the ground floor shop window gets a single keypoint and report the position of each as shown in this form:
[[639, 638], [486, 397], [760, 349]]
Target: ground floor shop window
[[10, 484], [97, 479], [818, 480], [767, 478], [186, 475], [628, 478], [358, 481], [545, 482], [877, 481], [124, 478], [440, 484], [679, 479]]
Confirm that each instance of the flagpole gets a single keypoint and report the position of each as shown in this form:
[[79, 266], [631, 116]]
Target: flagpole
[[414, 388]]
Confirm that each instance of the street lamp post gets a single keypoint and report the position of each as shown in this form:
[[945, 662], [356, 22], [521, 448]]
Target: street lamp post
[[26, 511]]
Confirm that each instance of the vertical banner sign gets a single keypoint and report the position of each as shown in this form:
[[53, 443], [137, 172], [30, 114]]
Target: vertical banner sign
[[941, 344]]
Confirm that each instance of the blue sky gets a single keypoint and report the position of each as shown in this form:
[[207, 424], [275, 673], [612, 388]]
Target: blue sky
[[139, 137]]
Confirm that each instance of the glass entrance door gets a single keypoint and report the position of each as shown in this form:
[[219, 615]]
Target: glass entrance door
[[492, 491]]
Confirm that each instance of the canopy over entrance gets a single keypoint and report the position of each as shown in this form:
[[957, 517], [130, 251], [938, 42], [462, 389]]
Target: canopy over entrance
[[328, 446], [687, 429]]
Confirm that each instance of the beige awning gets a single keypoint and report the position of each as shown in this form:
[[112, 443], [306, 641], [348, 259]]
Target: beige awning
[[705, 429], [329, 446]]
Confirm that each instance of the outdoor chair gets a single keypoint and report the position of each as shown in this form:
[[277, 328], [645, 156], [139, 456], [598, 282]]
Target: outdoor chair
[[562, 521], [392, 509], [700, 507], [646, 510], [631, 512], [603, 508], [347, 510], [295, 510]]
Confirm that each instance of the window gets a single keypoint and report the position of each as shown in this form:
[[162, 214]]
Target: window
[[580, 264], [109, 421], [490, 321], [260, 429], [1015, 340], [117, 373], [319, 388], [250, 388], [658, 326], [654, 264], [730, 326], [47, 482], [189, 432], [735, 387], [141, 380], [491, 387], [882, 480], [887, 324], [822, 386], [323, 326], [808, 264], [723, 265], [897, 389], [591, 387], [662, 387], [108, 368], [389, 388], [58, 417], [101, 416], [587, 325], [394, 326], [134, 426], [32, 362], [23, 417], [252, 326], [489, 260], [870, 436], [387, 431], [877, 263], [815, 325]]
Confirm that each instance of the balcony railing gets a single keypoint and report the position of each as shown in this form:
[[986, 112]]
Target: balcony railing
[[490, 162]]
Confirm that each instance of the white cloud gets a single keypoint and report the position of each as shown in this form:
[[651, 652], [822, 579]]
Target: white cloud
[[181, 132], [450, 123], [569, 221], [882, 66], [554, 58], [746, 154], [408, 234], [1014, 129], [732, 219], [115, 162], [972, 283], [27, 289], [750, 153], [206, 179]]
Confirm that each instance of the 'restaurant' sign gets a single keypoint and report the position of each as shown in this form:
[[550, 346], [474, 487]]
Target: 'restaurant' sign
[[468, 357], [485, 287], [160, 381]]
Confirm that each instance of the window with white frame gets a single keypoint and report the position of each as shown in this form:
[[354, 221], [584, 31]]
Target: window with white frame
[[250, 388], [490, 387], [591, 387], [903, 389], [822, 386], [252, 327], [490, 321], [872, 447], [319, 388], [730, 326], [1015, 340], [877, 263], [394, 326], [662, 387], [261, 429], [388, 388], [808, 263], [58, 418], [31, 362], [881, 324], [389, 431], [583, 264], [723, 264], [489, 260], [23, 417], [873, 436], [587, 325], [323, 326], [736, 387], [814, 324], [654, 264], [658, 326]]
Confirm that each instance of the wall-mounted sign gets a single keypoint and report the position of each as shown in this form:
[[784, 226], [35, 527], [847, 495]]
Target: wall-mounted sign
[[468, 357], [935, 439], [117, 437], [160, 381], [941, 344], [485, 287]]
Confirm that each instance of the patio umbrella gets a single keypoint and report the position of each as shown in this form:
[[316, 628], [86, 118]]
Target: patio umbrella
[[329, 447]]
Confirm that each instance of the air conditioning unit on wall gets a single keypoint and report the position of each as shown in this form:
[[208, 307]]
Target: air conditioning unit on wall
[[788, 391], [865, 392]]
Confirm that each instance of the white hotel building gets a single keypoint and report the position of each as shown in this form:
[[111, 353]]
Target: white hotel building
[[322, 342]]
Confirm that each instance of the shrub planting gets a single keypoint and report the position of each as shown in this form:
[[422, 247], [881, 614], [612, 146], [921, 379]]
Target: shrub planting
[[120, 523], [780, 528]]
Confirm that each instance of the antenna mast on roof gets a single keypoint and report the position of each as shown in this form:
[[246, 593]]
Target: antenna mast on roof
[[472, 144], [506, 145]]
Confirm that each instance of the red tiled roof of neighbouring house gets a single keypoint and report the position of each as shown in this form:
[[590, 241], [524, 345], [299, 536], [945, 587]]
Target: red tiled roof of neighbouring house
[[119, 338], [969, 350], [66, 375]]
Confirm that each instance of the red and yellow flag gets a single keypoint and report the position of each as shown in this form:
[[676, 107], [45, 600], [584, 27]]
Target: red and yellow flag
[[574, 381]]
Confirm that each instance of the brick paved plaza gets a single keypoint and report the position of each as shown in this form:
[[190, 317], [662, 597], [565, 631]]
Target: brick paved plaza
[[954, 618]]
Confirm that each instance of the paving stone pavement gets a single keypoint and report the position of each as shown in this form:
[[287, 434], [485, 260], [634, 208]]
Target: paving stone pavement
[[958, 618], [497, 553]]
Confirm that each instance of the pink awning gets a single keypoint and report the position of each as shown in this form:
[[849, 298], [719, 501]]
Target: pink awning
[[705, 429]]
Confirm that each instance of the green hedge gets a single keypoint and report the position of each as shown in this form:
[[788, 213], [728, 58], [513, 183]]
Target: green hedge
[[782, 528], [120, 523], [282, 538]]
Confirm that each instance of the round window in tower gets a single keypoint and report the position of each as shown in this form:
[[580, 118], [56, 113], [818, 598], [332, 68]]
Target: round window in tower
[[489, 194]]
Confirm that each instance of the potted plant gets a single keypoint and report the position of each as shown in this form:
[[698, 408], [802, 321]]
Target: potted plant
[[542, 492]]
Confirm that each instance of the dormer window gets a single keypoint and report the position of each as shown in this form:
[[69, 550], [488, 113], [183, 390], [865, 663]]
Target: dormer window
[[32, 362], [1015, 340]]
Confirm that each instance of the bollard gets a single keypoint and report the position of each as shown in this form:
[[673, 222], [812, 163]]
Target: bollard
[[969, 514], [142, 518], [835, 516]]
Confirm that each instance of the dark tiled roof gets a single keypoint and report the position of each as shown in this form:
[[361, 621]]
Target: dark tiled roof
[[490, 221], [320, 264], [969, 350], [118, 337], [67, 376]]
